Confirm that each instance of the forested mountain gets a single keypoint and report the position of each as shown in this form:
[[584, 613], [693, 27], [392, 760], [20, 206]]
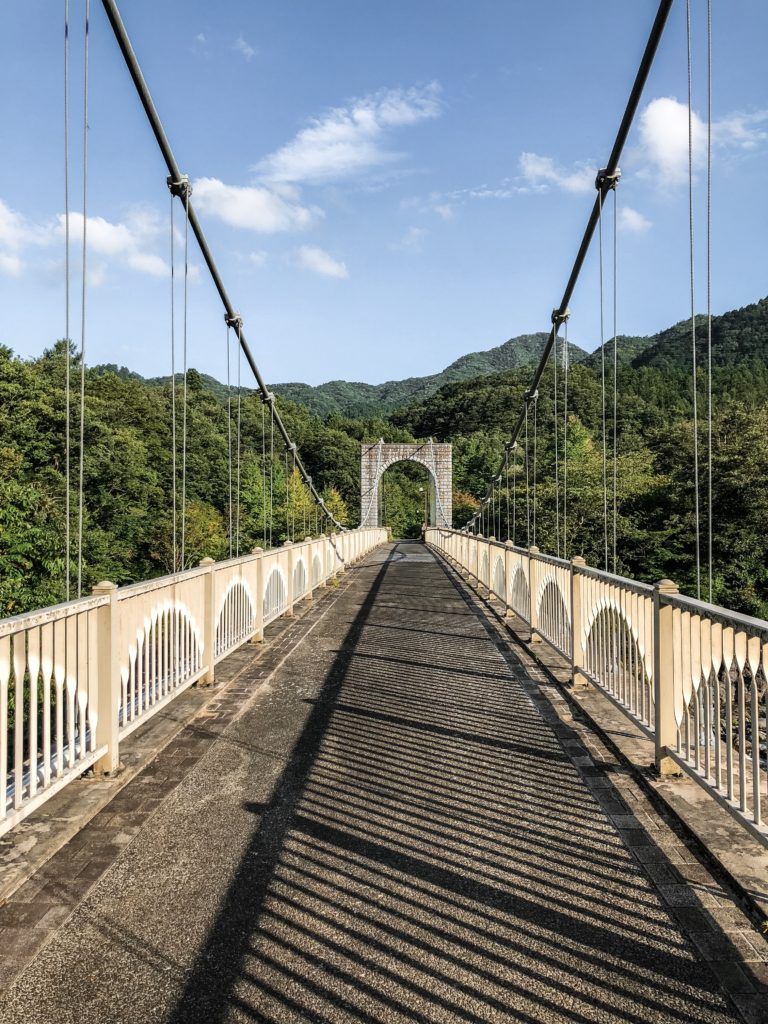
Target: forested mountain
[[352, 399], [128, 463]]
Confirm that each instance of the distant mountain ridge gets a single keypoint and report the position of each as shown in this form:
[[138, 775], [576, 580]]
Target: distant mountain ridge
[[739, 335], [359, 399]]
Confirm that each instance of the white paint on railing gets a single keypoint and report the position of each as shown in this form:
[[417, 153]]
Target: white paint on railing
[[693, 676], [78, 677]]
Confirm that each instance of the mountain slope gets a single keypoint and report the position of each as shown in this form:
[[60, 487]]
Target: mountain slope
[[358, 399]]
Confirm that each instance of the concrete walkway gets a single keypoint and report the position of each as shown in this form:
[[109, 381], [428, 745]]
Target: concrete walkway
[[391, 832]]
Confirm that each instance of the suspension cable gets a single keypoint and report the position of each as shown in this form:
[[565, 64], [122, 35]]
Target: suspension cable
[[710, 524], [229, 438], [506, 471], [184, 408], [84, 291], [514, 494], [602, 383], [535, 458], [566, 361], [124, 43], [615, 382], [264, 475], [271, 465], [173, 391], [239, 435], [557, 454], [628, 116], [67, 352], [693, 303], [527, 481]]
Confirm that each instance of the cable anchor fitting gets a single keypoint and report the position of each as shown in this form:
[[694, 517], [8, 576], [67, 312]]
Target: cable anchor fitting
[[531, 396], [269, 398], [235, 321], [604, 181], [559, 318], [181, 188]]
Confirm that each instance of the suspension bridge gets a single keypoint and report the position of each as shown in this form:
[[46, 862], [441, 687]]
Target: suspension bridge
[[346, 778]]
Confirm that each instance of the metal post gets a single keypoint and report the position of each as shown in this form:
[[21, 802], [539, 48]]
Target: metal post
[[258, 625]]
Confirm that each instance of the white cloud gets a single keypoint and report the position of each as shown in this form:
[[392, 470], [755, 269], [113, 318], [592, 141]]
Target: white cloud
[[255, 207], [444, 211], [148, 263], [244, 48], [312, 257], [350, 139], [10, 264], [200, 38], [664, 137], [411, 240], [257, 258], [541, 172], [633, 221]]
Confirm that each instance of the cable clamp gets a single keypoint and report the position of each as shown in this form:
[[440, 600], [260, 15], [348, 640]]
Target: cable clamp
[[181, 188], [235, 321], [531, 396], [604, 181], [291, 447], [269, 398], [560, 318]]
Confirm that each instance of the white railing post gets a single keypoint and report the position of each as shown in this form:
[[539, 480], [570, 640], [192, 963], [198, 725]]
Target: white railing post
[[324, 561], [309, 563], [289, 582], [258, 624], [508, 610], [533, 592], [579, 612], [209, 621], [664, 677], [108, 680]]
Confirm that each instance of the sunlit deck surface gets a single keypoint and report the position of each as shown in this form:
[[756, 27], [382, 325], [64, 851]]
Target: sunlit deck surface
[[390, 831]]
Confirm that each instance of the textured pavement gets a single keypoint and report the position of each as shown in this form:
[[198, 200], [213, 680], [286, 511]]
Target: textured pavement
[[391, 832]]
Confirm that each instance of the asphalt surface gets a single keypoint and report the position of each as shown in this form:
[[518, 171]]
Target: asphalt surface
[[390, 833]]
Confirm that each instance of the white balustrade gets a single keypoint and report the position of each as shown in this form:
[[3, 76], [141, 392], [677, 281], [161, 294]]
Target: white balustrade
[[77, 678], [692, 676]]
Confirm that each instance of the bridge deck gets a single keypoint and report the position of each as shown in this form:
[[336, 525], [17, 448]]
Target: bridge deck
[[391, 832]]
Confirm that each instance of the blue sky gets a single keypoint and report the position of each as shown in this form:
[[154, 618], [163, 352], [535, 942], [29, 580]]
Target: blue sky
[[385, 186]]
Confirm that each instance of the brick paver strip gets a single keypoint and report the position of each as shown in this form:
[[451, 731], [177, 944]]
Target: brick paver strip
[[402, 826]]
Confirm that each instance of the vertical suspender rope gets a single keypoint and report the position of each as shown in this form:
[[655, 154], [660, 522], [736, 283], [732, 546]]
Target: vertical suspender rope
[[229, 438], [239, 400], [82, 324], [264, 475], [184, 409], [173, 391], [67, 353], [615, 383], [710, 525], [693, 304], [602, 381], [527, 481], [293, 500], [566, 359], [506, 467], [535, 458], [557, 454], [287, 501], [514, 493], [271, 467]]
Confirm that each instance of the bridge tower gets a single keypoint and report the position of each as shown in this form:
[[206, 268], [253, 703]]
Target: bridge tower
[[438, 460]]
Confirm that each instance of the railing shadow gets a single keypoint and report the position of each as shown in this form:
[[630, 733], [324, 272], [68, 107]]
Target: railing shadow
[[429, 853]]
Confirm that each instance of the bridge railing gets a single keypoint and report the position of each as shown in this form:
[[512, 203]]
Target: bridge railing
[[692, 676], [77, 678]]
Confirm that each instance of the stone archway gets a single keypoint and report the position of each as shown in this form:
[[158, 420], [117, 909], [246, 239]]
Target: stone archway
[[436, 458]]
